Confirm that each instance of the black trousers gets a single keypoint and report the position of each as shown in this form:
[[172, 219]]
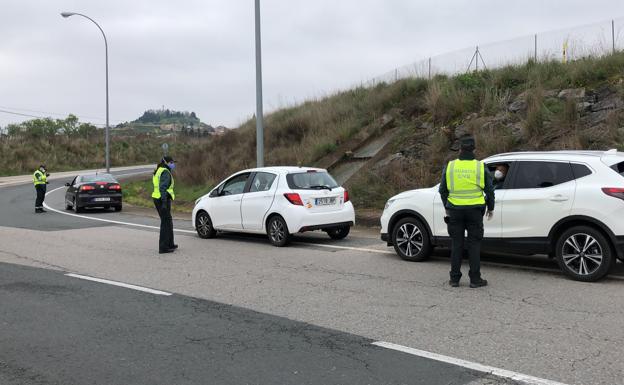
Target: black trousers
[[41, 191], [166, 224], [470, 220]]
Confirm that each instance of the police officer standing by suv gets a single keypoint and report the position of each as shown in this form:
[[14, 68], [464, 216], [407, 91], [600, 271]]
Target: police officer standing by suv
[[40, 179], [464, 183]]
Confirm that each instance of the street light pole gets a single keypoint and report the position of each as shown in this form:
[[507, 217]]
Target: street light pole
[[259, 114], [107, 130]]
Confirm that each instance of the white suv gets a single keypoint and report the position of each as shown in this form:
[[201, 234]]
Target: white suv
[[277, 201], [566, 204]]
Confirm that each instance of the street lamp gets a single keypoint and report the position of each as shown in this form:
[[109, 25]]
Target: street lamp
[[259, 117], [107, 134]]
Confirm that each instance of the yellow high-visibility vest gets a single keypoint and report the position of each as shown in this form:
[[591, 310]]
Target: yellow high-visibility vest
[[156, 182], [465, 180], [39, 178]]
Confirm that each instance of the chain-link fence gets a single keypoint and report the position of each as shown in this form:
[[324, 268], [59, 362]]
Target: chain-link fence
[[567, 44]]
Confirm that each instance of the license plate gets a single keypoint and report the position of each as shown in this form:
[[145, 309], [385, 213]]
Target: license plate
[[325, 201], [101, 200]]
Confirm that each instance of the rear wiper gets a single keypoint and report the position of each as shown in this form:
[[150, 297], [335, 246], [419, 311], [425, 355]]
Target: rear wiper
[[321, 187]]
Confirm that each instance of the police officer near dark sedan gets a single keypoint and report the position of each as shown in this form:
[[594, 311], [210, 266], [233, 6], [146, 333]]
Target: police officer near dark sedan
[[467, 191], [163, 195], [40, 179]]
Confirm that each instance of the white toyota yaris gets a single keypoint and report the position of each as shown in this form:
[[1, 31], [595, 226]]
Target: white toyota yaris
[[277, 201]]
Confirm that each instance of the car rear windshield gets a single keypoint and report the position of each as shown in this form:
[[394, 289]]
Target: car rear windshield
[[311, 180], [619, 168], [98, 178]]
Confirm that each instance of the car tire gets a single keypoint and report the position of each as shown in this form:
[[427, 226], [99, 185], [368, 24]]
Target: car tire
[[203, 225], [68, 206], [76, 208], [118, 208], [584, 254], [277, 231], [338, 232], [411, 240]]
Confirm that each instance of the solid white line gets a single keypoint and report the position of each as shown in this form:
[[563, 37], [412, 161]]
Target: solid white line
[[107, 220], [523, 378], [121, 284], [347, 248]]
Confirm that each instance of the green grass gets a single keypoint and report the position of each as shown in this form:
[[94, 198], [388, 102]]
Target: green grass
[[139, 193]]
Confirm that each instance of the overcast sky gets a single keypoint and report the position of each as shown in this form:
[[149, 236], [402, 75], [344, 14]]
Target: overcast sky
[[198, 55]]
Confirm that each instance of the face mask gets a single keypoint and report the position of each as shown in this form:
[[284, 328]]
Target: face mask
[[171, 166], [498, 174]]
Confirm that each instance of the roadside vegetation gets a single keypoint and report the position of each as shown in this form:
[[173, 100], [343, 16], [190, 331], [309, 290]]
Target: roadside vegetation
[[535, 106]]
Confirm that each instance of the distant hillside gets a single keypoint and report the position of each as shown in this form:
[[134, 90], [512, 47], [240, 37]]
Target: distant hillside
[[170, 121]]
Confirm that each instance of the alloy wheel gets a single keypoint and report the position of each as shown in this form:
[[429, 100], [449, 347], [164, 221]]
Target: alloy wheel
[[277, 231], [409, 239], [203, 225], [582, 254]]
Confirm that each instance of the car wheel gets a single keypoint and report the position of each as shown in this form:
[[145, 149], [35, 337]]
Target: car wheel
[[76, 208], [277, 230], [68, 206], [203, 223], [411, 240], [118, 208], [338, 232], [584, 254]]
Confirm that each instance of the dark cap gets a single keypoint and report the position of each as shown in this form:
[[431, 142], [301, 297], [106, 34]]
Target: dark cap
[[42, 166], [467, 143], [168, 159]]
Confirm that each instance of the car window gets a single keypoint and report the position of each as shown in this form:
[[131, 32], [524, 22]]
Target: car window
[[310, 180], [580, 170], [235, 185], [503, 167], [98, 178], [535, 174], [262, 182], [619, 168], [73, 183]]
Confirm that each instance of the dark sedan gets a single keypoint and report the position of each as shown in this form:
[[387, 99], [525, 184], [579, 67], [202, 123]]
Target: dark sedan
[[95, 190]]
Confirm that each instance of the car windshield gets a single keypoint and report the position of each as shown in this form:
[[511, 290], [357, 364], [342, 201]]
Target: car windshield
[[311, 180], [97, 178]]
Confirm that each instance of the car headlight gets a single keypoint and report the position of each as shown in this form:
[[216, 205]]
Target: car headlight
[[197, 201], [389, 203]]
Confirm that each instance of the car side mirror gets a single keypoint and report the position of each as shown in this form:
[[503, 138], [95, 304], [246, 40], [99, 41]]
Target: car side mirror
[[67, 184], [214, 193]]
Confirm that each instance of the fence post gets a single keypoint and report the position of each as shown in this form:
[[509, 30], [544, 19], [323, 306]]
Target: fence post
[[429, 68], [535, 49], [396, 75], [613, 34]]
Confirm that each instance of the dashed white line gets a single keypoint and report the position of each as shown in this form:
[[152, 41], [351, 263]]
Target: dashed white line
[[503, 373], [120, 284]]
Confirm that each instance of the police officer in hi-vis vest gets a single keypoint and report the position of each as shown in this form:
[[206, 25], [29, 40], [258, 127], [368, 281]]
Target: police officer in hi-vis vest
[[464, 183], [40, 179], [163, 195]]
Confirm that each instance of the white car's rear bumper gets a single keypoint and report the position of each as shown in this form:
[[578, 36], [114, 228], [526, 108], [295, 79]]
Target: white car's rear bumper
[[299, 219]]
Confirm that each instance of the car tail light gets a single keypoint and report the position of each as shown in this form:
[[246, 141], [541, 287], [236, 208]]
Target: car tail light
[[101, 183], [114, 187], [294, 198], [346, 196], [86, 188], [615, 192]]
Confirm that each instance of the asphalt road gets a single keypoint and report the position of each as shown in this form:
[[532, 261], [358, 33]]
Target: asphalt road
[[531, 319], [62, 330]]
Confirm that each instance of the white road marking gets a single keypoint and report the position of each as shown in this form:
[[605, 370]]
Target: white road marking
[[107, 220], [522, 378], [121, 284], [347, 248]]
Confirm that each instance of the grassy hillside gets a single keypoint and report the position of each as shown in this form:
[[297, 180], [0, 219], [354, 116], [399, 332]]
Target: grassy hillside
[[527, 107]]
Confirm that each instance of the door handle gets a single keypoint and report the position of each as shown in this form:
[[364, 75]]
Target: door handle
[[236, 200], [559, 198]]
